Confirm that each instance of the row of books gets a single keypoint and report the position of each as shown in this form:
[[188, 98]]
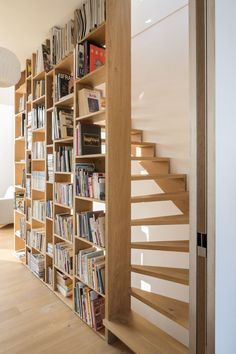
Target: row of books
[[36, 239], [89, 57], [90, 267], [28, 187], [50, 275], [50, 161], [88, 139], [22, 128], [23, 179], [62, 119], [89, 15], [43, 62], [29, 138], [61, 41], [63, 257], [89, 183], [63, 193], [64, 85], [28, 213], [39, 88], [39, 210], [64, 226], [50, 248], [64, 284], [91, 226], [39, 150], [38, 117], [22, 228], [89, 305], [20, 201], [36, 263], [38, 180], [49, 209], [63, 159]]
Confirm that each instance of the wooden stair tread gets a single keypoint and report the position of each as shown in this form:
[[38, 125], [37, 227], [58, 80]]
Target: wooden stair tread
[[142, 337], [150, 177], [176, 310], [150, 158], [142, 144], [162, 220], [136, 131], [172, 246], [178, 275], [159, 197]]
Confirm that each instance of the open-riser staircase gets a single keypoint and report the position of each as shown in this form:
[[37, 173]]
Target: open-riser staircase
[[136, 331]]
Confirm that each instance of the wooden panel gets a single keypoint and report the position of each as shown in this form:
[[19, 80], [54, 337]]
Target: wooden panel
[[172, 246], [174, 309], [118, 179], [162, 220]]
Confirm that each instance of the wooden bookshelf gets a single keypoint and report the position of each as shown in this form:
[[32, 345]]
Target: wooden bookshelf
[[115, 121]]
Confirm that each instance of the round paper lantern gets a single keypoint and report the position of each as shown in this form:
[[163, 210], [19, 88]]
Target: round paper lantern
[[10, 70]]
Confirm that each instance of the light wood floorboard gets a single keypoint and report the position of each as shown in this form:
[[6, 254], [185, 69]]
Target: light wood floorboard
[[33, 320]]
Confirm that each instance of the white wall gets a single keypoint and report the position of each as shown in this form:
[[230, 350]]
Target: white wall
[[6, 139], [160, 109], [225, 123]]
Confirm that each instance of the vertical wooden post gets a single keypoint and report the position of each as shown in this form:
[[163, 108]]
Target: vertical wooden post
[[118, 169]]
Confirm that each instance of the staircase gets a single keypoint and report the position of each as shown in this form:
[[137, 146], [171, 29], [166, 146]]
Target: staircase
[[139, 334]]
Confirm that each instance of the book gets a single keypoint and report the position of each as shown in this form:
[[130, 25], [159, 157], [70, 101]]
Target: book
[[96, 57], [62, 41], [39, 88], [49, 209], [36, 239], [39, 150], [63, 193], [89, 305], [62, 123], [38, 117], [43, 62], [88, 139], [63, 85], [38, 180], [89, 183], [39, 209], [63, 257], [89, 101], [91, 226], [20, 201], [64, 226], [50, 169], [63, 159]]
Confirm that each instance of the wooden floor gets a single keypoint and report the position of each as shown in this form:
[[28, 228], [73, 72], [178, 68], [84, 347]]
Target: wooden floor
[[33, 319]]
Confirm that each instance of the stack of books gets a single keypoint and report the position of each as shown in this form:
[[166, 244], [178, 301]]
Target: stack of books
[[49, 208], [20, 201], [39, 89], [38, 180], [91, 226], [36, 239], [36, 264], [90, 267], [63, 159], [89, 305], [89, 183], [62, 41], [50, 160], [62, 119], [64, 284], [39, 150], [28, 187], [64, 193], [64, 226], [63, 257], [88, 57], [64, 85], [88, 139], [88, 16], [38, 117], [39, 210]]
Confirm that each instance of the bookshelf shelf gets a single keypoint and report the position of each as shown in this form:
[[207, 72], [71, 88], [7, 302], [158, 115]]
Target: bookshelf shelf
[[94, 78], [78, 278], [63, 239], [114, 121], [93, 117], [89, 243], [91, 199]]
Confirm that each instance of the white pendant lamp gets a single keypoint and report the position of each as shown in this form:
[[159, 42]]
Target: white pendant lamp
[[9, 68]]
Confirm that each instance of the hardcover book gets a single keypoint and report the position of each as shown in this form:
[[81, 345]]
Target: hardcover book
[[88, 139]]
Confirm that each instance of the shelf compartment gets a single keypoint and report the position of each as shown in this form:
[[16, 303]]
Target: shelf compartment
[[66, 101], [78, 278], [93, 117], [94, 78], [82, 239], [96, 36], [63, 239], [90, 199]]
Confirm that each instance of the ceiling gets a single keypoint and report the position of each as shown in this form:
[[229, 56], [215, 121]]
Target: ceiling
[[25, 24]]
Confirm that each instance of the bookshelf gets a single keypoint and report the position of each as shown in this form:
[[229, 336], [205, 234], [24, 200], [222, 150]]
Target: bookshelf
[[36, 93]]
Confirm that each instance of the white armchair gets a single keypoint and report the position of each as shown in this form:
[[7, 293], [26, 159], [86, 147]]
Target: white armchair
[[7, 207]]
